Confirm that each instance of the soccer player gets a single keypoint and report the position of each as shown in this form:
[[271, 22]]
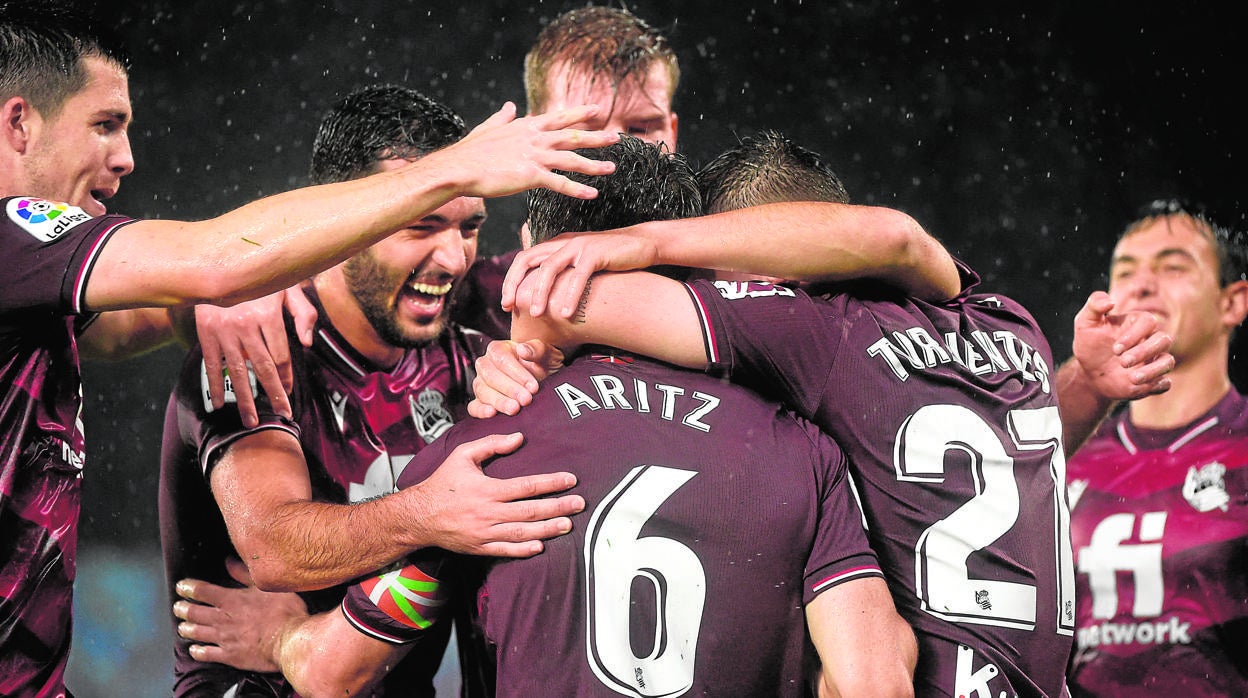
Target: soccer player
[[706, 501], [946, 408], [64, 148], [605, 56], [1159, 495], [301, 501]]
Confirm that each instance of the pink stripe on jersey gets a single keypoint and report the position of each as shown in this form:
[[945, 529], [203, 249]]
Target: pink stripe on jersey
[[852, 573], [704, 321]]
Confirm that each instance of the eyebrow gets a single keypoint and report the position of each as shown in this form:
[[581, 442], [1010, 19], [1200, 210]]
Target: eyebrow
[[1163, 254], [443, 220]]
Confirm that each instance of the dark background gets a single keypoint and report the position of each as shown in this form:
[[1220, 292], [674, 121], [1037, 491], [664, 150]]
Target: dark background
[[1024, 137]]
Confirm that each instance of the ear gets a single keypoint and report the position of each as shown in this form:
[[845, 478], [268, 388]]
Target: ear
[[526, 238], [674, 124], [16, 118], [1235, 303]]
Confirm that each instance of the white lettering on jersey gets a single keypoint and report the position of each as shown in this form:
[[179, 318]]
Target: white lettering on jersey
[[1108, 554], [610, 393], [915, 349], [969, 682], [45, 220], [736, 290]]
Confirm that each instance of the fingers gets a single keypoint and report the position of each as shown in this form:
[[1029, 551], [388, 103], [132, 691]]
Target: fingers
[[481, 410], [1099, 304], [489, 401], [480, 450], [521, 266], [570, 287], [505, 114], [530, 486], [503, 358], [213, 369], [302, 312], [1139, 338]]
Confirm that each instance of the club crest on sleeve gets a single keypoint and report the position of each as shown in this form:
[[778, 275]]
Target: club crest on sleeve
[[45, 220], [230, 396]]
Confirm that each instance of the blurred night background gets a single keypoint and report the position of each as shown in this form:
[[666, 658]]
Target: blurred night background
[[1022, 135]]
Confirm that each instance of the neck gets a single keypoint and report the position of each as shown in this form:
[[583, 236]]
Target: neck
[[1196, 385], [345, 315]]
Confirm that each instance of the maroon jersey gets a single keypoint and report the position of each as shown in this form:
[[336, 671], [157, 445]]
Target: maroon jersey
[[359, 426], [1160, 529], [49, 250], [950, 423], [711, 517]]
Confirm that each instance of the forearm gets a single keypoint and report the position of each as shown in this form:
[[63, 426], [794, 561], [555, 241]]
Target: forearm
[[809, 241], [305, 545], [324, 656], [267, 245], [1081, 406]]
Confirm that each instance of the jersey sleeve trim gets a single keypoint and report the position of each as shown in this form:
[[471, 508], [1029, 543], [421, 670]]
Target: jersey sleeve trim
[[376, 634], [709, 344], [212, 451], [78, 299], [859, 567]]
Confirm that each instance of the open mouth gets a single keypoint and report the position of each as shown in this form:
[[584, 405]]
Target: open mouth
[[426, 298]]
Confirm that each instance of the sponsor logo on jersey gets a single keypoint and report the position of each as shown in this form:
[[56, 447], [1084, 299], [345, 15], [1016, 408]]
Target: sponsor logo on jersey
[[1205, 488], [430, 414], [230, 395], [407, 596], [969, 682], [45, 220], [338, 405], [1158, 632]]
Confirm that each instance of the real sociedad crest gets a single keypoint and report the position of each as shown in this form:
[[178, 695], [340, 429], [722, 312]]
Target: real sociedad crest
[[430, 414], [1205, 489]]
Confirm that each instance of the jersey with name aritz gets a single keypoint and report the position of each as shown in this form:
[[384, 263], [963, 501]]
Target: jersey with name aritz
[[711, 517]]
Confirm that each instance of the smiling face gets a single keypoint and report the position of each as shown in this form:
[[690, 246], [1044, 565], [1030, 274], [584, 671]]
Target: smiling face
[[1168, 267], [640, 106], [403, 283], [79, 154]]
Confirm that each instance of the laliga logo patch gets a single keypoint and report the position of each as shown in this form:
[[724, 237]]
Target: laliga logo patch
[[45, 220], [230, 396]]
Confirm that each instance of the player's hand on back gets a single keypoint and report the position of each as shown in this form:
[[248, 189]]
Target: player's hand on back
[[507, 376], [461, 509], [554, 274], [252, 335], [504, 155], [235, 626], [1124, 355]]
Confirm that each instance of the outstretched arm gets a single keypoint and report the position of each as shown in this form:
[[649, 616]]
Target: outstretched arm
[[802, 241], [292, 543], [272, 243], [866, 649], [1116, 357]]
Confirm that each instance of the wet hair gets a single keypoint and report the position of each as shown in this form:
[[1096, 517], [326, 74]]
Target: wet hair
[[42, 48], [1230, 246], [649, 184], [380, 122], [765, 169], [599, 42]]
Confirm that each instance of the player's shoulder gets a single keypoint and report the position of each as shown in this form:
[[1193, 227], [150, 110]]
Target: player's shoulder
[[33, 220]]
